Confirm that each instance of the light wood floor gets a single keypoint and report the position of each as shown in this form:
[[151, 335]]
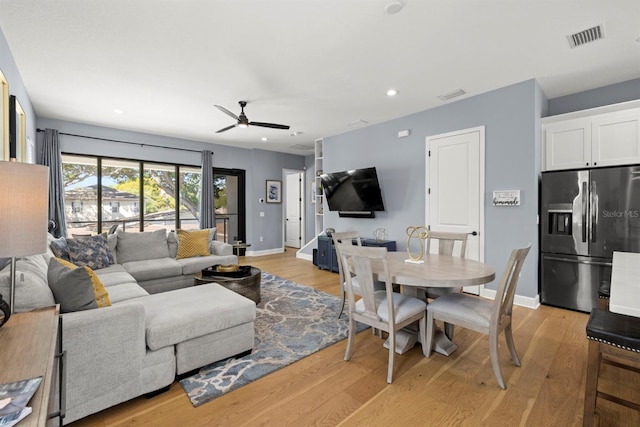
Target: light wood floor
[[324, 390]]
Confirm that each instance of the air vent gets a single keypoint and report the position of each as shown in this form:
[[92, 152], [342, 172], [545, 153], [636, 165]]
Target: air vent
[[302, 147], [453, 94], [586, 36]]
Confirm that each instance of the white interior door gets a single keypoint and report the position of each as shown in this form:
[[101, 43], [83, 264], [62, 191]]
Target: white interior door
[[293, 216], [455, 185]]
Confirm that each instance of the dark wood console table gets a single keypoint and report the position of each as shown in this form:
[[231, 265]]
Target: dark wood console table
[[28, 342]]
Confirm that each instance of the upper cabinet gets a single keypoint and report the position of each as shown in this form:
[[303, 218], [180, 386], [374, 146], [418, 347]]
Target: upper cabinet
[[593, 140]]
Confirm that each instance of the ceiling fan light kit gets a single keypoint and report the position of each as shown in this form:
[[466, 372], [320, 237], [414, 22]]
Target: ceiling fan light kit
[[243, 121]]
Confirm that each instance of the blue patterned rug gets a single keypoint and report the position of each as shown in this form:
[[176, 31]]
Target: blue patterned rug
[[292, 322]]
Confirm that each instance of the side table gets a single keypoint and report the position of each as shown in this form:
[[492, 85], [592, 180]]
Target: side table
[[28, 342], [238, 246]]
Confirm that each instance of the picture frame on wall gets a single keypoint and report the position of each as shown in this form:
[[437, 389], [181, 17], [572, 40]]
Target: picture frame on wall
[[312, 192], [274, 191]]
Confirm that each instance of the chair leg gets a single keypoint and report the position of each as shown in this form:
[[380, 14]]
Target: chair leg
[[448, 330], [350, 338], [493, 352], [423, 336], [591, 387], [342, 298], [429, 339], [392, 352], [508, 335]]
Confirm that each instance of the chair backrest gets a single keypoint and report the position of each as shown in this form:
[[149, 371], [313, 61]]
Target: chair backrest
[[503, 303], [344, 237], [358, 261], [446, 242]]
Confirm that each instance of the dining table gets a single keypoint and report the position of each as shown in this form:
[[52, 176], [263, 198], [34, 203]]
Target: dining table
[[432, 271]]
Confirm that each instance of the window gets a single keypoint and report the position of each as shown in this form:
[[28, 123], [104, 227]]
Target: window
[[80, 176], [120, 189], [115, 207], [190, 197], [159, 186]]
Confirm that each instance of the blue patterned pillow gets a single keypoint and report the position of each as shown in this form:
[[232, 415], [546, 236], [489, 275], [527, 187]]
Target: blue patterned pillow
[[60, 249], [92, 251]]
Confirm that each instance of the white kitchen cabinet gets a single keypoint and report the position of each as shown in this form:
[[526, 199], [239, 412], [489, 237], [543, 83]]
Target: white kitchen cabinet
[[605, 139], [615, 139]]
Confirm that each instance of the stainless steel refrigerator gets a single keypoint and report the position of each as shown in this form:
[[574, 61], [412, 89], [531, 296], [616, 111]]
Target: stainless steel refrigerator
[[586, 215]]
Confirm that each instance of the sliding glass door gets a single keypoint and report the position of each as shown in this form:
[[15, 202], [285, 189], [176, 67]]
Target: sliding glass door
[[229, 200]]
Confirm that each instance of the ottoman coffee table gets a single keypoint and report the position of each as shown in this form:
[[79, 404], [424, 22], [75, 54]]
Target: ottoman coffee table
[[248, 286]]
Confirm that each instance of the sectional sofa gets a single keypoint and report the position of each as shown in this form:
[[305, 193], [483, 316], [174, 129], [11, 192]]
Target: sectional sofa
[[156, 326]]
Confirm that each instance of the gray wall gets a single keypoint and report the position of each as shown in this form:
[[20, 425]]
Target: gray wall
[[606, 95], [259, 165], [511, 117], [16, 86]]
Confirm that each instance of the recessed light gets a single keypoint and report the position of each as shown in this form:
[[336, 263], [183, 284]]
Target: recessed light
[[392, 92], [118, 111], [264, 139]]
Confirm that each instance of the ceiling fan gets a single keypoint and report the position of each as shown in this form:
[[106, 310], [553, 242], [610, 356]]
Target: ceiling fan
[[244, 122]]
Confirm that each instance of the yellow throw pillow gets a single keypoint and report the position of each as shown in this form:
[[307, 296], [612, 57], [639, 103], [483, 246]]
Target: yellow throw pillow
[[192, 243], [101, 294]]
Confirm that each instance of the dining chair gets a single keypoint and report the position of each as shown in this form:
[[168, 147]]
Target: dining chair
[[383, 309], [344, 237], [481, 315], [446, 242]]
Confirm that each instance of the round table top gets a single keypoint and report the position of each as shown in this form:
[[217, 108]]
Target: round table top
[[442, 271], [202, 278]]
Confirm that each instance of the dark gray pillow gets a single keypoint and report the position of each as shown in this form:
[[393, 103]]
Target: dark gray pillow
[[71, 288], [92, 251]]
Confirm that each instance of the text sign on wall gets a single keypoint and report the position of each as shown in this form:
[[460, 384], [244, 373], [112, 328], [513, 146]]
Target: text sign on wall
[[506, 198]]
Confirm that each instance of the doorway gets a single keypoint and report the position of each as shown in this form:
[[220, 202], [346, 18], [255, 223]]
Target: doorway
[[455, 188], [294, 208], [230, 205]]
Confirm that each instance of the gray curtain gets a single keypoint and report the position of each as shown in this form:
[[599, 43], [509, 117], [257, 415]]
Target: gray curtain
[[207, 212], [51, 157]]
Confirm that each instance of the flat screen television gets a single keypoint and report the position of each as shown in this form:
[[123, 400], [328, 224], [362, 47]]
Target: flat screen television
[[353, 191]]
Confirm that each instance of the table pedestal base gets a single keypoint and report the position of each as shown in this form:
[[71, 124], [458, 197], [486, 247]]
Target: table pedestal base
[[406, 339]]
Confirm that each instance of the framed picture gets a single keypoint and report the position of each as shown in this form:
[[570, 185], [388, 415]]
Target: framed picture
[[312, 192], [274, 191]]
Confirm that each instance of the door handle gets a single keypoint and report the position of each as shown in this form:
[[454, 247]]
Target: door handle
[[474, 233], [577, 261], [584, 211]]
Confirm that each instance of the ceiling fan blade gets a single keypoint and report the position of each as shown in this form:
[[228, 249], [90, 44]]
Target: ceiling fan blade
[[224, 110], [269, 125], [226, 129]]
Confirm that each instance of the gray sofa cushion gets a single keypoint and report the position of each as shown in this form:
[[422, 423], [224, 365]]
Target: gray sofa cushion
[[125, 292], [141, 246], [195, 264], [153, 268], [184, 314], [32, 290]]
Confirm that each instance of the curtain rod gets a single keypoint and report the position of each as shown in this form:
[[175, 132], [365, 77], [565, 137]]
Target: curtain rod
[[125, 142]]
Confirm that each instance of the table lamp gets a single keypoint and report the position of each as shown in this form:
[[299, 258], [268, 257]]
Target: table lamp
[[24, 206]]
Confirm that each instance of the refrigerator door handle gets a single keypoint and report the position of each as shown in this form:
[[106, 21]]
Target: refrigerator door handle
[[577, 261], [584, 211], [593, 212]]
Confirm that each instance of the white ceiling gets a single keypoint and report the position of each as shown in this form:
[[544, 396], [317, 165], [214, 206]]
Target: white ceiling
[[321, 66]]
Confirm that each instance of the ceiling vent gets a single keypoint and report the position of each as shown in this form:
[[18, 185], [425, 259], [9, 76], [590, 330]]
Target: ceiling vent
[[586, 36], [453, 94]]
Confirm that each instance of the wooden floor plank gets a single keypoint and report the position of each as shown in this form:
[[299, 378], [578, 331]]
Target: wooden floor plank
[[325, 390]]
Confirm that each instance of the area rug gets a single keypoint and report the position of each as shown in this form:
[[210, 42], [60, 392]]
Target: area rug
[[292, 322]]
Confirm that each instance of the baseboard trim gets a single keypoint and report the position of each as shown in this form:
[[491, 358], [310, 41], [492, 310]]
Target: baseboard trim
[[518, 300], [265, 252], [308, 257]]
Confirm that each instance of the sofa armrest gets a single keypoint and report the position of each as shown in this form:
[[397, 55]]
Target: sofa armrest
[[105, 350], [220, 248]]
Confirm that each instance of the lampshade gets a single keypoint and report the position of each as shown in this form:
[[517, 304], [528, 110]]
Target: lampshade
[[24, 209]]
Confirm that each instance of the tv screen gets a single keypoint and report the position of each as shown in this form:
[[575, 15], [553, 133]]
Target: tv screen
[[353, 191]]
